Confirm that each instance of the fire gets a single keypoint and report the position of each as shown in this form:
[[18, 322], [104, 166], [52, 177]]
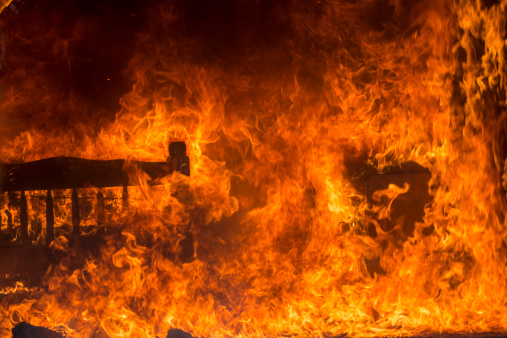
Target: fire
[[285, 108]]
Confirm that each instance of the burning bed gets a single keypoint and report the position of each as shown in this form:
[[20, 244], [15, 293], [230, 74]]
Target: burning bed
[[253, 168]]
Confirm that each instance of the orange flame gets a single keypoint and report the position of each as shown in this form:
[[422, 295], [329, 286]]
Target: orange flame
[[284, 106]]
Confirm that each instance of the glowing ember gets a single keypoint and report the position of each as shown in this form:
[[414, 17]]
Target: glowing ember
[[285, 107]]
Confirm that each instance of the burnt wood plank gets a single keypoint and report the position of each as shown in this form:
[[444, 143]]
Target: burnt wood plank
[[74, 173], [71, 173], [25, 330]]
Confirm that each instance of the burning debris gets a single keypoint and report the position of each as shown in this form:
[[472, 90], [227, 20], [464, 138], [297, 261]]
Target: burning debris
[[60, 173], [25, 330], [343, 174]]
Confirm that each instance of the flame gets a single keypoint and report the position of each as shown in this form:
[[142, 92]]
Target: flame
[[4, 4], [282, 117]]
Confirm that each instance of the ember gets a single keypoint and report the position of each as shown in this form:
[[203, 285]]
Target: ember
[[253, 168]]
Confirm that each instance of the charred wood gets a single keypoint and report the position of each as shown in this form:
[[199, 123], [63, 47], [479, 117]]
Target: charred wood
[[177, 333], [100, 210], [74, 173], [25, 330], [23, 219], [178, 159], [68, 173], [76, 218], [50, 218], [125, 197], [71, 173]]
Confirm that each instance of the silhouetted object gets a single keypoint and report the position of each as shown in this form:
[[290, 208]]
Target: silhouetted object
[[177, 333], [125, 197], [69, 173], [178, 159], [23, 219], [73, 173], [101, 210], [25, 330], [76, 218], [187, 248], [50, 218]]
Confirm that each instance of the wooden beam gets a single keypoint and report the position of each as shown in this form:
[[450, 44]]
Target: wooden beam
[[73, 173]]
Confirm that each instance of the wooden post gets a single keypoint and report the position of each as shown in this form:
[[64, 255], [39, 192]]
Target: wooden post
[[125, 197], [101, 213], [75, 213], [23, 219], [178, 159], [50, 218]]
